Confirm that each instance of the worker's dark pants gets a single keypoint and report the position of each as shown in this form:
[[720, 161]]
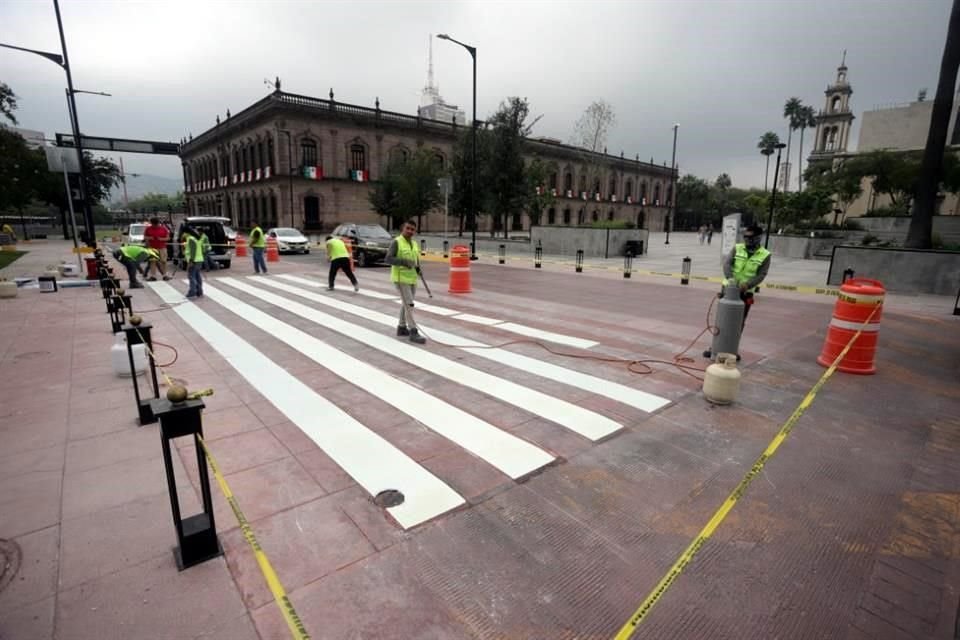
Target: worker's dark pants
[[133, 268], [747, 297], [336, 265]]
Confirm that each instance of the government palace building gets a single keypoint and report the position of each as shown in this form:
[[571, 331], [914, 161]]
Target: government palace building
[[299, 161]]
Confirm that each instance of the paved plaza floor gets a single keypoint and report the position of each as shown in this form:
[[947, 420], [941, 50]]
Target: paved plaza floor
[[545, 495]]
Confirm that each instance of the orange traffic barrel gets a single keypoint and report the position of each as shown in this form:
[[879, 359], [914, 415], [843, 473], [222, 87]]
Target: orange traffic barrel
[[273, 253], [348, 243], [241, 248], [858, 299], [460, 269]]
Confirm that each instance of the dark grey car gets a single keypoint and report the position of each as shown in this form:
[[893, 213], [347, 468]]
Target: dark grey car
[[370, 242]]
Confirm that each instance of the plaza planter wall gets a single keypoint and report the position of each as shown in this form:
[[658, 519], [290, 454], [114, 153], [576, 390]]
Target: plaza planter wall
[[596, 243], [902, 270]]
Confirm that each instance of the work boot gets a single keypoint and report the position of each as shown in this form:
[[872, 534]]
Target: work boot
[[168, 277], [136, 285], [402, 331], [152, 279], [356, 287], [416, 337]]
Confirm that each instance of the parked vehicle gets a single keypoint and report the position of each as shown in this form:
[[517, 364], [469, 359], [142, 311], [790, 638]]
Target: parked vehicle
[[289, 240], [370, 242], [135, 233], [216, 230]]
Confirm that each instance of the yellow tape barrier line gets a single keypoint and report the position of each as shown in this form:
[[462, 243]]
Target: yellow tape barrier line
[[687, 556], [273, 582]]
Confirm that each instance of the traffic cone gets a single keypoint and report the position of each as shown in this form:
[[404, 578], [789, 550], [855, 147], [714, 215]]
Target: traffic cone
[[241, 247], [273, 254]]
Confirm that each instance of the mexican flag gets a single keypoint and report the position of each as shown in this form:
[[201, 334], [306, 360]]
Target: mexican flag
[[257, 174], [313, 173], [266, 172], [359, 176]]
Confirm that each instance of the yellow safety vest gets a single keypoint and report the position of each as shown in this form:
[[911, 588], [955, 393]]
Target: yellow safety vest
[[194, 250], [745, 265], [337, 249], [134, 252], [257, 240], [406, 250]]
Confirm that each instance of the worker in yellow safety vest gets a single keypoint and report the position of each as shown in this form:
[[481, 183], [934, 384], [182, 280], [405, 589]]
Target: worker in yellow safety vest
[[258, 242], [403, 256], [131, 257], [747, 265], [193, 253], [339, 258]]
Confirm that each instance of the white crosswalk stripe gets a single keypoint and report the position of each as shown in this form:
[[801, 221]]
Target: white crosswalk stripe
[[371, 460], [621, 393], [509, 454], [587, 423]]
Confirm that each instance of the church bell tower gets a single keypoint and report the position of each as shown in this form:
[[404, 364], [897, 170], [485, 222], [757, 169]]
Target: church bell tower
[[835, 120]]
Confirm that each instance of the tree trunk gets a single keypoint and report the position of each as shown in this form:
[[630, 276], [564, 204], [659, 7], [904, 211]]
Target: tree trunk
[[920, 235], [786, 183], [766, 174], [800, 163]]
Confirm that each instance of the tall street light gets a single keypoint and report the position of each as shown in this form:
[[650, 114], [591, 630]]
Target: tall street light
[[673, 185], [64, 63], [473, 187], [773, 195]]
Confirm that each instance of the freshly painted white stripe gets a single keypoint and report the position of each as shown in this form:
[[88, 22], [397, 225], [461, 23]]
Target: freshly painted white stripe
[[513, 327], [508, 453], [375, 294], [616, 391], [549, 336], [469, 317], [369, 459], [587, 423], [854, 326]]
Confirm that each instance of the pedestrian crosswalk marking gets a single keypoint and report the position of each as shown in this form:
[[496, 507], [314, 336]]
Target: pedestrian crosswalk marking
[[368, 458], [587, 423], [513, 327], [511, 455], [615, 391]]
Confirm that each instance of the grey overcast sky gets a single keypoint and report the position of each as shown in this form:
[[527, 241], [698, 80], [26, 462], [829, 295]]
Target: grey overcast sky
[[722, 69]]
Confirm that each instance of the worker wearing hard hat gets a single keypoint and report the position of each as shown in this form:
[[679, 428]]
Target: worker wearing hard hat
[[748, 265], [131, 257]]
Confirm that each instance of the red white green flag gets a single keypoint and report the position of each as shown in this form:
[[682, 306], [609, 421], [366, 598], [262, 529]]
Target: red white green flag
[[359, 176], [313, 173]]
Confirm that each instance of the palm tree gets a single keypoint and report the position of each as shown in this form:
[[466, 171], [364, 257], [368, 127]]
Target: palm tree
[[808, 118], [920, 234], [723, 183], [768, 142], [791, 111]]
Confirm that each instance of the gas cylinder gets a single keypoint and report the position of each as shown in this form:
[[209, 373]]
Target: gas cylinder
[[722, 381], [121, 362], [729, 321]]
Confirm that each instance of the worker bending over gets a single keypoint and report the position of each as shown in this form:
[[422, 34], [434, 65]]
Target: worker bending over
[[339, 258], [403, 256], [131, 257]]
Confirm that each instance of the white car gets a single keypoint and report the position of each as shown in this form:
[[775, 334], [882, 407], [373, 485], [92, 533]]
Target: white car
[[289, 240], [135, 234]]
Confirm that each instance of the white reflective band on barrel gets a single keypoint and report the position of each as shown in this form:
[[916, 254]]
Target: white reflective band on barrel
[[459, 268], [862, 298], [854, 326]]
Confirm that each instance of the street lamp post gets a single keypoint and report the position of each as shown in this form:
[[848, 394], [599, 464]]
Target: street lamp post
[[773, 195], [473, 187], [673, 185], [64, 63], [290, 172]]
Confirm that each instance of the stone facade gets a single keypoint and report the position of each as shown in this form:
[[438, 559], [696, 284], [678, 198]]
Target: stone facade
[[250, 167]]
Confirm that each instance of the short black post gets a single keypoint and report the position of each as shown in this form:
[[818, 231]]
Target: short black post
[[627, 264], [473, 251], [446, 249], [423, 246], [136, 335], [107, 286], [538, 257], [503, 254], [197, 534], [685, 271], [956, 305], [118, 311], [579, 260], [848, 274]]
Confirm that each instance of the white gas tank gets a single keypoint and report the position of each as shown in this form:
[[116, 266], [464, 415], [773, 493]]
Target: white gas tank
[[121, 362], [721, 384]]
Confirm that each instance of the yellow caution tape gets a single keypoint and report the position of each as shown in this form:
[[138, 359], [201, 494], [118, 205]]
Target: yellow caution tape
[[82, 250], [687, 556], [273, 582]]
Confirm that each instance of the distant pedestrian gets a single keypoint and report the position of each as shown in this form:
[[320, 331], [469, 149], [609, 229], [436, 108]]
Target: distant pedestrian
[[403, 256], [258, 242], [156, 236], [702, 233], [131, 257], [709, 234], [339, 259], [193, 253]]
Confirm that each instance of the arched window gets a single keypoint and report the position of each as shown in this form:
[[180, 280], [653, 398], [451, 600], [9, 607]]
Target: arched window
[[835, 104], [399, 155], [669, 193], [613, 187], [566, 216], [270, 161], [236, 163], [610, 215], [260, 164], [273, 208], [551, 216], [308, 153], [596, 216], [581, 216], [583, 182], [552, 180], [439, 160], [643, 191], [567, 182], [628, 189], [358, 157], [596, 186], [656, 194]]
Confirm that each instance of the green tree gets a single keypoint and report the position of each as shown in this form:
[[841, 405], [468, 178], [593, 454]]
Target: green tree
[[8, 102], [505, 174], [920, 234], [806, 117], [722, 186], [892, 173], [537, 196], [461, 170], [102, 176], [767, 145], [408, 189], [159, 202], [803, 207], [791, 111], [385, 196]]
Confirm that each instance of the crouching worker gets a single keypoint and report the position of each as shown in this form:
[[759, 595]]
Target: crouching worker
[[339, 258], [403, 256], [131, 257]]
